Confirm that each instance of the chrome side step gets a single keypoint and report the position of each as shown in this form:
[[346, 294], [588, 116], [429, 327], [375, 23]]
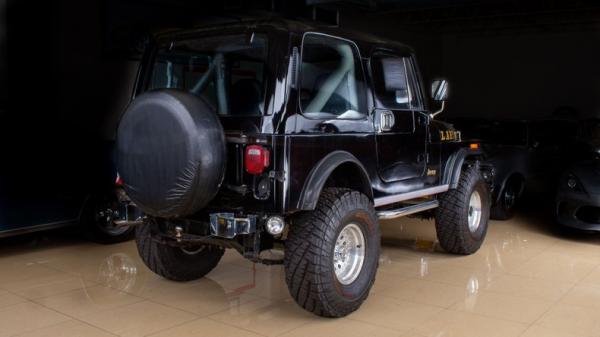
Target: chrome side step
[[396, 213], [392, 199]]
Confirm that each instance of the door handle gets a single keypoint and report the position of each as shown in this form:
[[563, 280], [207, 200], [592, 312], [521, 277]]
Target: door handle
[[387, 121]]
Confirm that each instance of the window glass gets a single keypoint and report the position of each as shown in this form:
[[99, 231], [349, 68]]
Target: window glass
[[331, 83], [395, 82], [228, 71], [416, 99]]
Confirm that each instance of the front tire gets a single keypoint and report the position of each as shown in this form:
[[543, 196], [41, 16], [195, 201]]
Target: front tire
[[461, 220], [176, 263], [332, 253]]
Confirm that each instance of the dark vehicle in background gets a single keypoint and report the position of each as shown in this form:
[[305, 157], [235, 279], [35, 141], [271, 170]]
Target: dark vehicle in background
[[578, 194], [521, 156], [257, 135], [98, 207]]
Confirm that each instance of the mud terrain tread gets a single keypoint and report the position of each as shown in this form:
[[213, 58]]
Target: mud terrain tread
[[451, 219], [308, 275]]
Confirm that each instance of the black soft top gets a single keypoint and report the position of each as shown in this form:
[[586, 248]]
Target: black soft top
[[366, 42]]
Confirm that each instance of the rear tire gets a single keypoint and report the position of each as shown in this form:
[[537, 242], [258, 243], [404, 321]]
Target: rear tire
[[342, 228], [176, 263], [469, 201]]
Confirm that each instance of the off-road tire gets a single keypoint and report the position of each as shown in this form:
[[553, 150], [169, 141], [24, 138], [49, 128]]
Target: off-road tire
[[309, 253], [174, 263], [451, 219]]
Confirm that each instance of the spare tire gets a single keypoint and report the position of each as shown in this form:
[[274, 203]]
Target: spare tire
[[170, 152]]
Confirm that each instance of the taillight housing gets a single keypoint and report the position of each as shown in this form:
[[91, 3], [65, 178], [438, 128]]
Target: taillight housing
[[256, 159], [118, 181]]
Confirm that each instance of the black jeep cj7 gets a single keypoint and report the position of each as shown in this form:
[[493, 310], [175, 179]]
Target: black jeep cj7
[[257, 135]]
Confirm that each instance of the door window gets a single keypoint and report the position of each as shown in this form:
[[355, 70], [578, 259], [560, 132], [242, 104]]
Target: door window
[[331, 79], [395, 82]]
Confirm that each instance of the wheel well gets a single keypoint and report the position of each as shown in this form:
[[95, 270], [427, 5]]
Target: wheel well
[[351, 176], [455, 165], [515, 178]]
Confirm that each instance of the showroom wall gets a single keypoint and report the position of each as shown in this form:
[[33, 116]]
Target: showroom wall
[[523, 75], [84, 71], [528, 72]]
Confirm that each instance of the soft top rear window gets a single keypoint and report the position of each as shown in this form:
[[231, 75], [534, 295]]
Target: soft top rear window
[[227, 70]]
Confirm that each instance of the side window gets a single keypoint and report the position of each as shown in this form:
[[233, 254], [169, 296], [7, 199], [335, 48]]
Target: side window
[[331, 79], [395, 82]]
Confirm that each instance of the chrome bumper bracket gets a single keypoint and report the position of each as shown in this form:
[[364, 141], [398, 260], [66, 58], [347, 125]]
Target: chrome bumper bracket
[[227, 225]]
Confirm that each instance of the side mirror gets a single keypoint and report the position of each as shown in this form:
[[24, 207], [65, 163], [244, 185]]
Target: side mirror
[[439, 90], [439, 93]]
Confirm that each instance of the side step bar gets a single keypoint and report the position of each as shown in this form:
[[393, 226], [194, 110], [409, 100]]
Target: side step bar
[[392, 199], [396, 213]]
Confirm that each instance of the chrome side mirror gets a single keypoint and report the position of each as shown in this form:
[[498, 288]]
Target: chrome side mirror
[[439, 93], [439, 90]]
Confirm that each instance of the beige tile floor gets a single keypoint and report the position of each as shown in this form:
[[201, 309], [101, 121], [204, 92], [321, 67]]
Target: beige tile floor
[[527, 280]]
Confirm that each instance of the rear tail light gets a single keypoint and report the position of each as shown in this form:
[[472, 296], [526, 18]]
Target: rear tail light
[[118, 181], [256, 159]]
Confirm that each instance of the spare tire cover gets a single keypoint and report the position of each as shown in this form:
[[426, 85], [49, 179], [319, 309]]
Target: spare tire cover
[[170, 152]]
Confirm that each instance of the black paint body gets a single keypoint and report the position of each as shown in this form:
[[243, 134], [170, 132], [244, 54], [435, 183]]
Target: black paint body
[[309, 154]]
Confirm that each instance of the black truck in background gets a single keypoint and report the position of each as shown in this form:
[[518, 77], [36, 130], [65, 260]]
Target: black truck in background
[[521, 157]]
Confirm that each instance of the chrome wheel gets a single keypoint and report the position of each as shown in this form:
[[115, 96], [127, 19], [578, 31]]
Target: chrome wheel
[[474, 211], [349, 254]]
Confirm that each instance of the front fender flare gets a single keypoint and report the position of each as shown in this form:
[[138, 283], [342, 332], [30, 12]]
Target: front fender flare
[[319, 174], [453, 168]]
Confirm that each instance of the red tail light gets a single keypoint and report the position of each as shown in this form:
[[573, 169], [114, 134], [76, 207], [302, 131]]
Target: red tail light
[[256, 159], [118, 181]]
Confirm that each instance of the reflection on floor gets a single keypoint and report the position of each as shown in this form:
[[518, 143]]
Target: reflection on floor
[[526, 280]]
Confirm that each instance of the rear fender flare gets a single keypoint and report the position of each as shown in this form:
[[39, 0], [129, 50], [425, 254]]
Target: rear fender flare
[[321, 172]]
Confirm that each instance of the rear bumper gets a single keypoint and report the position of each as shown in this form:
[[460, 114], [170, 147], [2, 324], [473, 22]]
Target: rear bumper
[[578, 210], [227, 225]]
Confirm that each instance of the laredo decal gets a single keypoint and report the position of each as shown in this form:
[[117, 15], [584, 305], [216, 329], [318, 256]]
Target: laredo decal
[[448, 135]]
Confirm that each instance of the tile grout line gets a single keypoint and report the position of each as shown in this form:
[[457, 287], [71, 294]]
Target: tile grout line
[[142, 299], [392, 328], [66, 315], [101, 311], [55, 294], [233, 326], [174, 326], [557, 301]]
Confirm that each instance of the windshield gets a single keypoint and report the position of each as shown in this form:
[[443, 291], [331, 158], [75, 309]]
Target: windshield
[[228, 71]]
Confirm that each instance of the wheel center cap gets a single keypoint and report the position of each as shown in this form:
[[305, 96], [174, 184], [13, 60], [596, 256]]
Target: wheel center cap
[[348, 254]]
